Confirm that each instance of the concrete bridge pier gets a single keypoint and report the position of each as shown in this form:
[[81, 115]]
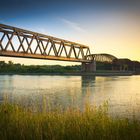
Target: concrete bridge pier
[[88, 67]]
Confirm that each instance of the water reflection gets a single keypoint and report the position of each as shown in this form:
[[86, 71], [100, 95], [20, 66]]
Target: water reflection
[[123, 93], [87, 82]]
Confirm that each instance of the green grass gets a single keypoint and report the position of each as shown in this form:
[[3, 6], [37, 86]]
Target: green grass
[[92, 123]]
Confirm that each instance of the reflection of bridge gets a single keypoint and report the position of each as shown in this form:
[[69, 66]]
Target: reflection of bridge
[[16, 42]]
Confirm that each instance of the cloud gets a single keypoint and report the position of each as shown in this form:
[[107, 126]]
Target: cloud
[[73, 25]]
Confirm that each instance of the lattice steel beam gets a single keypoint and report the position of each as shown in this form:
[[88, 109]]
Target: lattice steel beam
[[16, 42], [102, 57]]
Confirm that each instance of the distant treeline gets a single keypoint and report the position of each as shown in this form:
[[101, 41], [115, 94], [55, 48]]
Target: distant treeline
[[10, 67]]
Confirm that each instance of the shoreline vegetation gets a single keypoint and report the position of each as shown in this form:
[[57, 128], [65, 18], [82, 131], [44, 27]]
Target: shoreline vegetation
[[76, 74], [23, 123], [17, 69]]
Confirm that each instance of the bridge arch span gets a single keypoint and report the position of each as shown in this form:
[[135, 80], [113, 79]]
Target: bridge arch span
[[103, 57]]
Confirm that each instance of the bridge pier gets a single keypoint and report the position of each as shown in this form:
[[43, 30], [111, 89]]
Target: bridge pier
[[88, 67]]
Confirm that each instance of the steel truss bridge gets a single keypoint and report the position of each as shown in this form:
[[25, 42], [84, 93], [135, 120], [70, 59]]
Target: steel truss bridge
[[16, 42]]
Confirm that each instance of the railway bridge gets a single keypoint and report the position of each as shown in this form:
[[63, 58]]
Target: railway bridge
[[17, 42]]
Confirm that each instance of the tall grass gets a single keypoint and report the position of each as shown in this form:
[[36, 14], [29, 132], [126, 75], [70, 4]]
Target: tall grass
[[92, 123]]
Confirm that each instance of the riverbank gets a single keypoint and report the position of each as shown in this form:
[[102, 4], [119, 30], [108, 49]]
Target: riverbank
[[111, 73], [75, 70], [20, 123]]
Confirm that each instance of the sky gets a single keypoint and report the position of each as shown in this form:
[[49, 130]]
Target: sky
[[106, 26]]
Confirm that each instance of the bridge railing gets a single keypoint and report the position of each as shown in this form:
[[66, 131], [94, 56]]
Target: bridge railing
[[16, 42]]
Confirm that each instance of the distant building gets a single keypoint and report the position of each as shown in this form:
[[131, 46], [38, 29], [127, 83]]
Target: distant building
[[125, 65]]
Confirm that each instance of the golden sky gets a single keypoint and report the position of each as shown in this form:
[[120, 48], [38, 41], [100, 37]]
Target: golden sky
[[111, 27]]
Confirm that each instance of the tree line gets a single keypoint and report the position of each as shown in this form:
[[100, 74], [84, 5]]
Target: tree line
[[10, 67]]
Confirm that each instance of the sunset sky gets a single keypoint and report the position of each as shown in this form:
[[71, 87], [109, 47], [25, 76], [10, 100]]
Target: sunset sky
[[105, 26]]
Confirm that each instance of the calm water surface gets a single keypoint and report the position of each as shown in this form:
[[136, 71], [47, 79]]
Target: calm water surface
[[122, 92]]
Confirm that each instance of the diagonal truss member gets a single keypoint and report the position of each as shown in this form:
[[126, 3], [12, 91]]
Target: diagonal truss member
[[16, 42]]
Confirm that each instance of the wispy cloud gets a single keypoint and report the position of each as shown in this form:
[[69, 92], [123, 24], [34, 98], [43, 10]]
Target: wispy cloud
[[73, 25]]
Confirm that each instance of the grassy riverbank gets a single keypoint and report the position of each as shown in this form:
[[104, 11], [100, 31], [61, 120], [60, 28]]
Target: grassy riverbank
[[19, 123]]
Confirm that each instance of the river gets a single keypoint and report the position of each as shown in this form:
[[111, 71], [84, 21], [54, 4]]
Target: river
[[121, 92]]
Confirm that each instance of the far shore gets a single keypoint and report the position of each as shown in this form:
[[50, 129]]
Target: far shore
[[116, 73]]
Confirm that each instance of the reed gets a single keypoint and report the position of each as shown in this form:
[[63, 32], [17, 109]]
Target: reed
[[22, 123]]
